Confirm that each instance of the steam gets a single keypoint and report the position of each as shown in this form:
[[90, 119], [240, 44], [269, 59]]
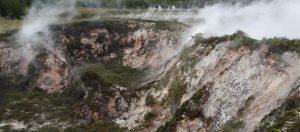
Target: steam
[[277, 18], [259, 19], [35, 32]]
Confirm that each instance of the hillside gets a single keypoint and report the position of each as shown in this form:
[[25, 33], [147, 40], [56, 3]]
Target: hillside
[[215, 83], [150, 66]]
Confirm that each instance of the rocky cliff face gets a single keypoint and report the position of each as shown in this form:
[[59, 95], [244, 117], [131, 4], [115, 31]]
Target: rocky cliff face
[[143, 45], [100, 62], [227, 83], [126, 75]]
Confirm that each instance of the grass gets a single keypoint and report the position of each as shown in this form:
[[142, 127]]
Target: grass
[[150, 100], [173, 99], [97, 126], [160, 83], [281, 45], [148, 121], [233, 126], [149, 116], [189, 60], [288, 116], [238, 36], [175, 95], [114, 73], [186, 111], [84, 13], [276, 45], [199, 94], [9, 24], [35, 105], [29, 106]]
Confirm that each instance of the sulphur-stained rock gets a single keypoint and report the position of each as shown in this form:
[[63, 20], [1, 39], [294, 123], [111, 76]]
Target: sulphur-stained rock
[[53, 73], [218, 84], [195, 125], [133, 42]]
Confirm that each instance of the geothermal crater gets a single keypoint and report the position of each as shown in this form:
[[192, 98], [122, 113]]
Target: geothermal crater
[[139, 75]]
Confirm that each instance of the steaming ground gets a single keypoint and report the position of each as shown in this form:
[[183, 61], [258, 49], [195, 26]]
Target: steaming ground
[[277, 18], [35, 32], [233, 72]]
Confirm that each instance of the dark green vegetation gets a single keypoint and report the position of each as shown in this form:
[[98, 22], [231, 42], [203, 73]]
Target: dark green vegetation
[[189, 110], [113, 73], [96, 126], [233, 126], [240, 37], [190, 60], [150, 100], [17, 8], [29, 106], [14, 8], [175, 95], [287, 116], [34, 106], [149, 116], [279, 45], [276, 45], [283, 121], [148, 119]]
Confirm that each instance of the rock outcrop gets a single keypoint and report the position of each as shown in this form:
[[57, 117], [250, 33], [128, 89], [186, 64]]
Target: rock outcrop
[[127, 75]]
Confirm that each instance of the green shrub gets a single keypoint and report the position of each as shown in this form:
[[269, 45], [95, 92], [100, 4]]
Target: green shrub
[[175, 95], [96, 126], [149, 116], [190, 111], [13, 8], [233, 126], [49, 129], [113, 73], [199, 94], [92, 79], [296, 126], [288, 116], [104, 126], [150, 100], [168, 127]]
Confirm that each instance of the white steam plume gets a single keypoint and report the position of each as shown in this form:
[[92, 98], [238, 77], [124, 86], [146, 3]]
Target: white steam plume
[[276, 18], [35, 32], [261, 18]]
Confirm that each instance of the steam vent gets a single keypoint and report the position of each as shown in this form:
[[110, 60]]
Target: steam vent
[[149, 66]]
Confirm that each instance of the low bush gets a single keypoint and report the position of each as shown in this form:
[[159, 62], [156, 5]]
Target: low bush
[[13, 8], [149, 116], [150, 100], [233, 126]]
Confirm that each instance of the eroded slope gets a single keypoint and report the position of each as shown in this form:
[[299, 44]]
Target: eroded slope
[[125, 75]]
